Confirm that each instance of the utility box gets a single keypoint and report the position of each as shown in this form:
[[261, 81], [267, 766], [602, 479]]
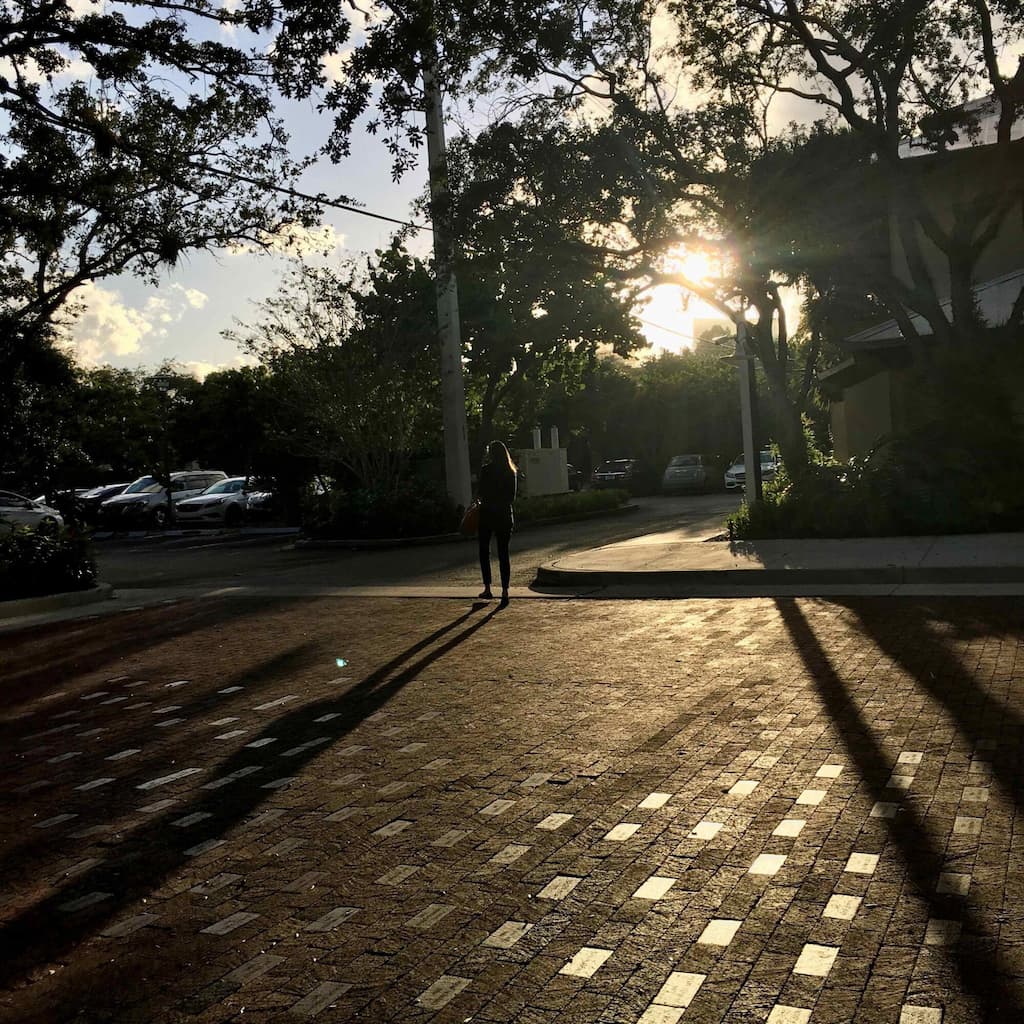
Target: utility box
[[543, 470]]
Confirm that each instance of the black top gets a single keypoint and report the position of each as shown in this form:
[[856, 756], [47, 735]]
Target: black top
[[497, 492]]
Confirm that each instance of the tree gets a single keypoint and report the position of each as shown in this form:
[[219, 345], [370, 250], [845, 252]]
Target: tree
[[37, 394], [353, 374], [630, 196], [890, 72], [131, 137]]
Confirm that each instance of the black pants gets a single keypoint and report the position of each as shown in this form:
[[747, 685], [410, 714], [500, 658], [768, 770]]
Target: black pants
[[502, 535]]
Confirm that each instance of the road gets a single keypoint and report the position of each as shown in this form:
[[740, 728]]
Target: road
[[213, 562]]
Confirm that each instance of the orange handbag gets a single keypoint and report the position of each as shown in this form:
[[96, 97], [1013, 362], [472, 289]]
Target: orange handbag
[[470, 524]]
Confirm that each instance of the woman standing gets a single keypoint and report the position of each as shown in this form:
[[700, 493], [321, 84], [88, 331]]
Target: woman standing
[[497, 492]]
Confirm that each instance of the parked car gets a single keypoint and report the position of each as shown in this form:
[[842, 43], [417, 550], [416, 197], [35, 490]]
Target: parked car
[[615, 473], [736, 475], [144, 501], [575, 477], [91, 500], [634, 475], [222, 503], [17, 510], [262, 501], [686, 473]]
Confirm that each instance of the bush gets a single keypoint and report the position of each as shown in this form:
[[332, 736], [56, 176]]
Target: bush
[[926, 484], [554, 506], [34, 564], [362, 514]]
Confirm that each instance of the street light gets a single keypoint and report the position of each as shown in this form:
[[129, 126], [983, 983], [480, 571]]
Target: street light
[[167, 385], [751, 454]]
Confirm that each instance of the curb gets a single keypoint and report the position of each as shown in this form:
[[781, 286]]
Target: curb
[[552, 576], [216, 533], [450, 538], [54, 602]]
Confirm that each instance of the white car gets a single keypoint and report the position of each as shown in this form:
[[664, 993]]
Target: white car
[[736, 474], [144, 502], [17, 510], [223, 503]]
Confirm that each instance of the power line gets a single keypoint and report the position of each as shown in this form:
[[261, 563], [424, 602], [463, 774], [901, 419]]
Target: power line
[[297, 194], [668, 330]]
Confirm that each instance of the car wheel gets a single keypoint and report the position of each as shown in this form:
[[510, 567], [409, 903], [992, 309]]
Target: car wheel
[[160, 517], [233, 516]]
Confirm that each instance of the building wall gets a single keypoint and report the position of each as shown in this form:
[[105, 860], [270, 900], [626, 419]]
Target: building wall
[[948, 182], [864, 415]]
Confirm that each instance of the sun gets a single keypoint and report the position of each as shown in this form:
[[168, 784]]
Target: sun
[[670, 314]]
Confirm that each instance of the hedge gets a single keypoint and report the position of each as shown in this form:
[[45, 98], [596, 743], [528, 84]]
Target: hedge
[[34, 564]]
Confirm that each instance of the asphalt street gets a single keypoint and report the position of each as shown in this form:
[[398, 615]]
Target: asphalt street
[[213, 561]]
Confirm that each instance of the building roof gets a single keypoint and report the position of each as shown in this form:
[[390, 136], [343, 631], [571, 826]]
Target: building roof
[[995, 301]]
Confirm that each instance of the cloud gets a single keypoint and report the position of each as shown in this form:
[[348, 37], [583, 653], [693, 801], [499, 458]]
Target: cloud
[[295, 240], [30, 70], [201, 369], [107, 326]]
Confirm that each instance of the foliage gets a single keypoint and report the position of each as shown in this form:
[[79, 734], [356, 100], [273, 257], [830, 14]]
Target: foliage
[[542, 507], [37, 406], [32, 564], [533, 312], [406, 511], [950, 474], [131, 135], [354, 372], [888, 73]]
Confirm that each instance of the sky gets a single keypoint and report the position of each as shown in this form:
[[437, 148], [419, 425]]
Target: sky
[[127, 322], [130, 323]]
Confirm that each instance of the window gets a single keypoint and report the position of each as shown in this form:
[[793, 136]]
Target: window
[[144, 485]]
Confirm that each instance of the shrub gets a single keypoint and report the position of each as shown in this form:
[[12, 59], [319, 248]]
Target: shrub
[[33, 564], [925, 484], [362, 514], [554, 506]]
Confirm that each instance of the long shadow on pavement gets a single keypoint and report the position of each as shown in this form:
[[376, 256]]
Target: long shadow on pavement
[[22, 853], [983, 978], [148, 856], [43, 655]]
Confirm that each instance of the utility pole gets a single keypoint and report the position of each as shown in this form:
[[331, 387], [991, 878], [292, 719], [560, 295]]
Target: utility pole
[[751, 451], [453, 395]]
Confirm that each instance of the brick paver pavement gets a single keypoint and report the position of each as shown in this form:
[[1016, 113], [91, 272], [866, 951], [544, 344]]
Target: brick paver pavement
[[763, 810]]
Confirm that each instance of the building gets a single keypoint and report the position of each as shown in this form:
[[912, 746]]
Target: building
[[869, 389]]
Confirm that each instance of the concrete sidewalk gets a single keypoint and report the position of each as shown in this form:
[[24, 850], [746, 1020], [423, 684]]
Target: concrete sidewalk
[[670, 558]]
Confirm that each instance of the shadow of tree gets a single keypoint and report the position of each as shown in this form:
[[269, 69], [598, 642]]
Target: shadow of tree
[[47, 653], [986, 978], [152, 852]]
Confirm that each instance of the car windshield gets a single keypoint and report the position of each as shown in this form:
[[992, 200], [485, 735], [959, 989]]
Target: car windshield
[[225, 487], [144, 485], [613, 466], [685, 460]]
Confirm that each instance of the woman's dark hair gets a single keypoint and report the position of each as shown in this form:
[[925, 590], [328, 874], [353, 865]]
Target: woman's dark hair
[[499, 454]]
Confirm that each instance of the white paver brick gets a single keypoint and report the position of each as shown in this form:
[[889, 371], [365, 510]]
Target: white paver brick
[[586, 963], [816, 960]]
